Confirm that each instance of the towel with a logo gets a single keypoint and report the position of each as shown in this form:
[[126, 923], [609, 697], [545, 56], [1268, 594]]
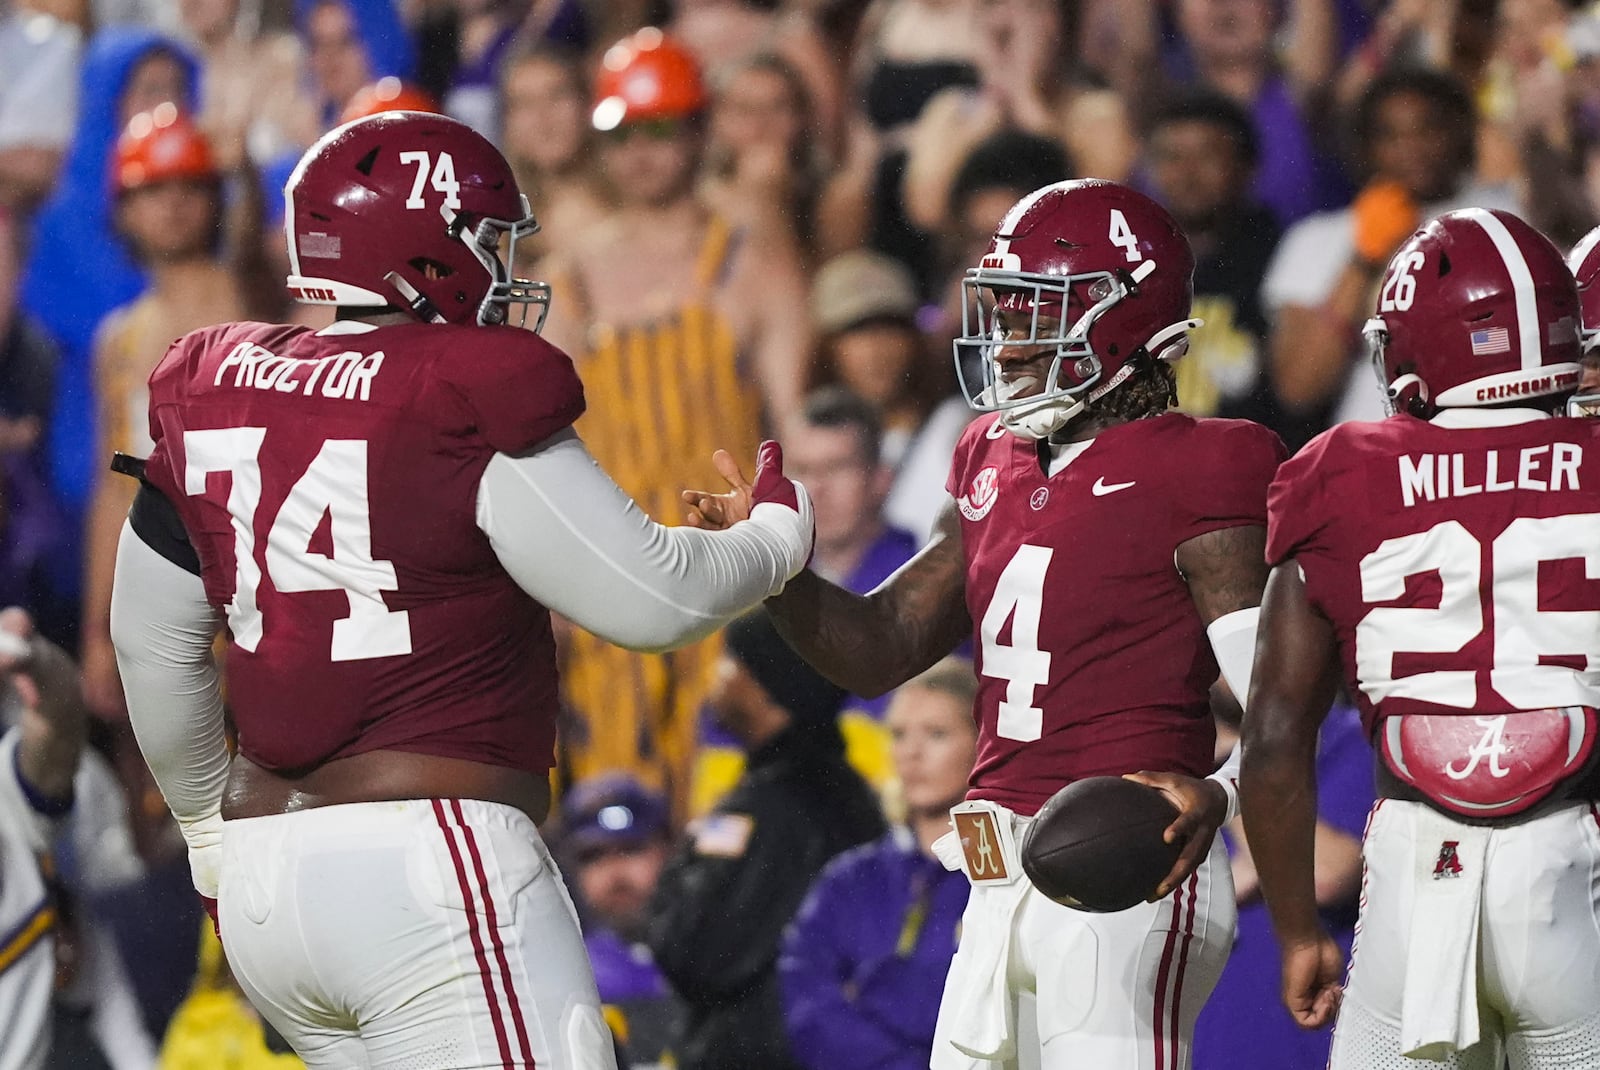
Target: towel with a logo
[[1439, 1012], [977, 1015]]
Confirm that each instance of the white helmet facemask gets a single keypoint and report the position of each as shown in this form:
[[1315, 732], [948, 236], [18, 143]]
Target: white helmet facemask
[[1027, 408]]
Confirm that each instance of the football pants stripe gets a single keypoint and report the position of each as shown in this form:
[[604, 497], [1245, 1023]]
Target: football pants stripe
[[484, 973], [494, 937], [1163, 975], [1183, 963]]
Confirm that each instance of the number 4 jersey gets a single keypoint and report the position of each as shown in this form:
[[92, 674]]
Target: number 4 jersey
[[328, 482], [1092, 659], [1458, 559]]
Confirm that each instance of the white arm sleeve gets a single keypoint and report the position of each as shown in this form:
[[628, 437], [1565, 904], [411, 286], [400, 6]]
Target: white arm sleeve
[[571, 538], [163, 627], [1233, 641]]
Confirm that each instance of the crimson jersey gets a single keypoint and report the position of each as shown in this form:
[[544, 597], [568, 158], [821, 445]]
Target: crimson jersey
[[328, 482], [1460, 566], [1091, 657]]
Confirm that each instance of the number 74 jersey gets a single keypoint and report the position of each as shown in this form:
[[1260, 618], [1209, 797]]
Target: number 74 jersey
[[329, 482], [1459, 565], [1092, 659]]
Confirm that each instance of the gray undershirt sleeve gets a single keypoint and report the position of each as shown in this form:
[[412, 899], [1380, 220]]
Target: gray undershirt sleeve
[[571, 538]]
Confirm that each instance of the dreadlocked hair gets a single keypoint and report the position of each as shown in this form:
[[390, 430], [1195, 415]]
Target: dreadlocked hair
[[1151, 390]]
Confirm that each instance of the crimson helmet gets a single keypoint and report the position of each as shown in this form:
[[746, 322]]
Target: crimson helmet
[[408, 210], [1584, 262], [1108, 265], [647, 76], [1477, 308], [160, 146]]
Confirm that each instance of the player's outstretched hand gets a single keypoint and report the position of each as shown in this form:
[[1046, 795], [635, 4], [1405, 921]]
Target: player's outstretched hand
[[1311, 988], [718, 511], [1202, 807]]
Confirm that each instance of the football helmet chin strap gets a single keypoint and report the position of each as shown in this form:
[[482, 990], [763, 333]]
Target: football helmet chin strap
[[1052, 412]]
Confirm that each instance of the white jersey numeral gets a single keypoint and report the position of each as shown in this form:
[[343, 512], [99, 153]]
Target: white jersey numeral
[[1123, 236], [235, 450], [335, 485], [1400, 291], [1019, 598], [1450, 548], [1525, 636], [443, 170]]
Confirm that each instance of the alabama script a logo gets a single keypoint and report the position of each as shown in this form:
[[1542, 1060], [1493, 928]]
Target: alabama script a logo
[[1491, 748]]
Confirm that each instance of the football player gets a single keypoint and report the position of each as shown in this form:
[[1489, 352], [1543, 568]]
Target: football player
[[381, 513], [1442, 563], [1584, 261], [1090, 541]]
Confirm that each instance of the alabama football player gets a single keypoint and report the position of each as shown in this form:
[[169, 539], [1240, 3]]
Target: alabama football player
[[1443, 563], [381, 512], [1584, 262], [1090, 540]]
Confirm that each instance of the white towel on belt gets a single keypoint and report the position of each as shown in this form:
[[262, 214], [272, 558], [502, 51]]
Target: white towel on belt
[[1439, 1013], [983, 1022]]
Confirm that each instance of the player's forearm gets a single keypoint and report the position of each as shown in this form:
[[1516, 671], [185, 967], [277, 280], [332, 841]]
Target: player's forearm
[[1291, 689], [1277, 789], [163, 627], [868, 644]]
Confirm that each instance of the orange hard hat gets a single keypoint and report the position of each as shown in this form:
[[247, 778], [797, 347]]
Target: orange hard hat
[[647, 76], [387, 94], [158, 146]]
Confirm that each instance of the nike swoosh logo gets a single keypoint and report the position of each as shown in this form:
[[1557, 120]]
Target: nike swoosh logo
[[1102, 488]]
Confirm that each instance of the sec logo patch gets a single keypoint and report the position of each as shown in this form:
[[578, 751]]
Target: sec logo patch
[[980, 497]]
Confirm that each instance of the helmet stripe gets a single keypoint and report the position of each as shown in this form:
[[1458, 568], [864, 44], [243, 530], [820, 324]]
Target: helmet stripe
[[1521, 285], [1581, 251], [1009, 224]]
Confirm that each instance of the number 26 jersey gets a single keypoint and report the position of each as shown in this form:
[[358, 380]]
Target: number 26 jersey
[[1458, 560]]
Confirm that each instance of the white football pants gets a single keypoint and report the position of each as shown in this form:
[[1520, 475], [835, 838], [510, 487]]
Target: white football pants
[[420, 935], [1537, 974], [1113, 991]]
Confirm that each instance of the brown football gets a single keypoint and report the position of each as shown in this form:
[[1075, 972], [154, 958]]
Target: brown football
[[1096, 844]]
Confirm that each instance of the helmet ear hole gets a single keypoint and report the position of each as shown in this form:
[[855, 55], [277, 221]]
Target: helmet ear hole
[[1444, 264], [1409, 393], [431, 269]]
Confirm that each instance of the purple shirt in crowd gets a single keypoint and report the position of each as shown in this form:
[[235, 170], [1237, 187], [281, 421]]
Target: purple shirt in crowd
[[864, 961]]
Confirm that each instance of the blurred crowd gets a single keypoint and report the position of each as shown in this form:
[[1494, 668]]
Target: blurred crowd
[[755, 215]]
